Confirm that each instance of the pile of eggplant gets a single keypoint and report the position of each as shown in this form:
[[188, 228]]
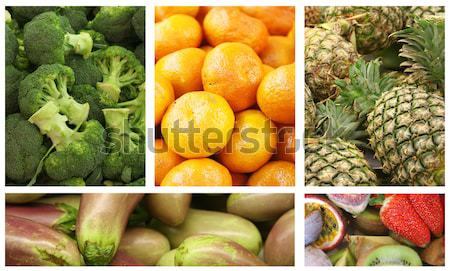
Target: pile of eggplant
[[151, 229]]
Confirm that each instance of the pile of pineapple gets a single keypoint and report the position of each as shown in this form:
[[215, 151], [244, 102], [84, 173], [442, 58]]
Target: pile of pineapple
[[374, 96]]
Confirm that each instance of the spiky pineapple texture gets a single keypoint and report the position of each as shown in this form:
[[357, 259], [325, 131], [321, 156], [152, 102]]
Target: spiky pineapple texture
[[312, 15], [407, 133], [334, 162], [328, 57], [414, 12], [373, 25], [310, 110]]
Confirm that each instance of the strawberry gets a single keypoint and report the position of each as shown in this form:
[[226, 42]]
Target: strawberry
[[429, 208], [399, 216]]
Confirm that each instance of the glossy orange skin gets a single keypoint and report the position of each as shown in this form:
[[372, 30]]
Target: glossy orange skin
[[279, 51], [175, 33], [275, 173], [165, 160], [286, 144], [278, 20], [234, 71], [164, 96], [230, 24], [276, 94], [198, 172], [183, 68], [241, 154], [163, 12]]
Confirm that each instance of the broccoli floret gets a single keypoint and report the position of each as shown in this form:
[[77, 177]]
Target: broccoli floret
[[98, 39], [140, 53], [120, 69], [76, 16], [24, 149], [11, 46], [136, 108], [49, 38], [49, 83], [126, 159], [25, 14], [89, 94], [13, 77], [138, 22], [84, 70], [77, 153], [114, 22]]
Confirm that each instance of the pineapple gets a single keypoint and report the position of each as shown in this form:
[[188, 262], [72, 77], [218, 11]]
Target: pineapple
[[310, 110], [328, 57], [372, 25], [421, 12], [312, 15]]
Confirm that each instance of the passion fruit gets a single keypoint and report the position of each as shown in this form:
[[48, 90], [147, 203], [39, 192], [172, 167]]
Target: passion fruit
[[351, 203], [333, 228]]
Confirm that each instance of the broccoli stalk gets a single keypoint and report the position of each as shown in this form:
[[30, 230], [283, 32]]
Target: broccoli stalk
[[80, 44]]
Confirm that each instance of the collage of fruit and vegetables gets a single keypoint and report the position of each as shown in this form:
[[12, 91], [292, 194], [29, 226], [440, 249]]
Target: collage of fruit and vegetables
[[75, 95], [374, 230], [374, 95], [152, 229]]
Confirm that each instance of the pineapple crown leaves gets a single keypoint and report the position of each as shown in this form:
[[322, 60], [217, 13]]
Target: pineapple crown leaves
[[424, 49], [365, 87], [337, 121]]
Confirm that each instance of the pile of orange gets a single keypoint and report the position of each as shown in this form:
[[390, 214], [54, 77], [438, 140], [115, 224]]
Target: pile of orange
[[225, 96]]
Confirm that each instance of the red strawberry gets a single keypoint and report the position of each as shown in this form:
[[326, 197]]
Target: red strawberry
[[429, 208], [399, 216]]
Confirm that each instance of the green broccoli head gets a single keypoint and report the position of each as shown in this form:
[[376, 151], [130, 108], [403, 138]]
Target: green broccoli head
[[126, 159], [138, 22], [48, 38], [13, 77], [136, 108], [76, 16], [49, 83], [24, 149], [139, 52], [84, 70], [114, 22], [89, 94], [120, 69], [11, 46], [98, 39], [25, 14]]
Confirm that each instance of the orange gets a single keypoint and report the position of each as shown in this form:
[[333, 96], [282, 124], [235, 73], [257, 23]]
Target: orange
[[267, 69], [164, 96], [163, 12], [276, 94], [278, 20], [198, 124], [279, 51], [165, 160], [198, 172], [275, 173], [202, 13], [234, 71], [291, 35], [206, 48], [286, 144], [175, 33], [252, 143], [230, 24], [184, 69], [239, 179]]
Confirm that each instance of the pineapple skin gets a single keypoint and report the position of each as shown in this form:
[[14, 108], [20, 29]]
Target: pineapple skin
[[373, 25], [328, 57], [310, 111], [334, 162], [407, 133], [312, 15], [421, 12]]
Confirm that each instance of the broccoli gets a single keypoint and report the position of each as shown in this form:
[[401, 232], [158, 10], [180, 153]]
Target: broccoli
[[137, 109], [13, 77], [84, 70], [77, 153], [139, 52], [138, 22], [24, 149], [11, 46], [49, 38], [120, 69], [49, 83], [114, 22], [76, 16], [26, 14], [98, 39], [89, 94]]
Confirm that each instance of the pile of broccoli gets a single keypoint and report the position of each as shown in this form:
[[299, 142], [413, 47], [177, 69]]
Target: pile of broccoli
[[75, 95]]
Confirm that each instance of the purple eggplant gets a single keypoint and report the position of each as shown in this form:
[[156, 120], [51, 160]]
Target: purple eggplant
[[22, 198], [279, 248], [101, 222], [33, 244], [123, 259], [171, 209]]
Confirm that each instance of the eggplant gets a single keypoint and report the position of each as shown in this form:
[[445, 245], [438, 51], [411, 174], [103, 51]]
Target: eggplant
[[22, 198], [144, 245], [28, 243], [260, 207], [101, 222], [279, 248], [211, 250], [54, 199], [60, 216], [168, 208], [167, 259], [123, 259], [198, 222]]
